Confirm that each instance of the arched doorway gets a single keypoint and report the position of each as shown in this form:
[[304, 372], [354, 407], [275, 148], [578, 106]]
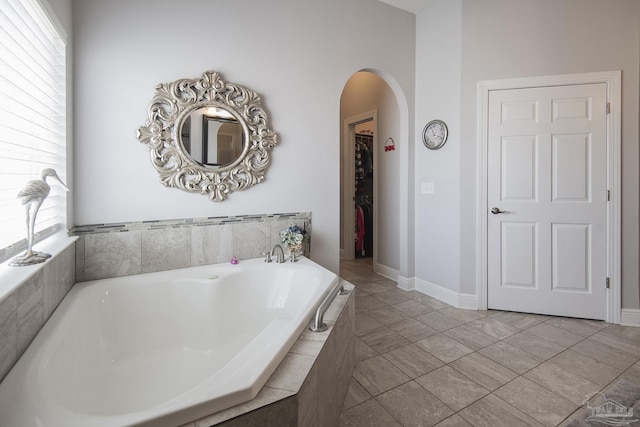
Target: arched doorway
[[368, 101]]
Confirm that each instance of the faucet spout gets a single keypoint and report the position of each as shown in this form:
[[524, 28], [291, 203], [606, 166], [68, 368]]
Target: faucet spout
[[279, 252]]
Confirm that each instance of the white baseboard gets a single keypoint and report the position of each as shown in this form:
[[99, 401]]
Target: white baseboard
[[630, 317], [456, 299], [406, 283], [468, 301], [388, 272]]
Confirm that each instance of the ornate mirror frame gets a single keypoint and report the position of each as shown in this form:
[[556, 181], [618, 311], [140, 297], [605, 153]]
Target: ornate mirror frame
[[172, 104]]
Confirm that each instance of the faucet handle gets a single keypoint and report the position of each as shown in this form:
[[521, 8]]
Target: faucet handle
[[267, 256]]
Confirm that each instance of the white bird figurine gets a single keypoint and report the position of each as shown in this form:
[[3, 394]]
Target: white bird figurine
[[32, 196]]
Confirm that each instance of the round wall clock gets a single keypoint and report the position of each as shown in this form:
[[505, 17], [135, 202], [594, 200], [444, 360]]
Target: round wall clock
[[435, 134]]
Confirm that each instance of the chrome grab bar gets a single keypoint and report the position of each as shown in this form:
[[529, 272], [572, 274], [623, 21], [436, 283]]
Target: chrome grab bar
[[318, 324]]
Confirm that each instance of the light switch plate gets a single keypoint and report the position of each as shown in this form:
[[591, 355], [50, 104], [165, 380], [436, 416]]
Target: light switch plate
[[428, 188]]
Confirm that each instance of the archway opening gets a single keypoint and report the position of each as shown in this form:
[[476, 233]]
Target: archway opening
[[372, 210]]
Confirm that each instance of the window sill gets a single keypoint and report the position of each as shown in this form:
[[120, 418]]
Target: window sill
[[12, 277]]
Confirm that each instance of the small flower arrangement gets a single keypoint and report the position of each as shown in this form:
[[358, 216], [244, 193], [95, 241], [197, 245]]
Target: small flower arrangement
[[293, 236]]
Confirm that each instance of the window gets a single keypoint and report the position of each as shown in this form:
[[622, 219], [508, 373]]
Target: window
[[32, 118]]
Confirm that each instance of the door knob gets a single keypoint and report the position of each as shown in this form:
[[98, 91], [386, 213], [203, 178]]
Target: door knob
[[497, 211]]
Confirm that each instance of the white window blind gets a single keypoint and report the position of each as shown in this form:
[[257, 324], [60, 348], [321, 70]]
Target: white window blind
[[32, 119]]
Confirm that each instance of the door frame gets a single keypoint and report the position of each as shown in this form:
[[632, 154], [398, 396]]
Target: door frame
[[613, 80], [348, 189]]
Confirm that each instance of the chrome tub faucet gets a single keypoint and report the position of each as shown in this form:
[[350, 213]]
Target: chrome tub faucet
[[279, 253]]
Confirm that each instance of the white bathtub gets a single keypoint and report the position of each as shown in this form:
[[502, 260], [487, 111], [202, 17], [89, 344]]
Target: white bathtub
[[162, 349]]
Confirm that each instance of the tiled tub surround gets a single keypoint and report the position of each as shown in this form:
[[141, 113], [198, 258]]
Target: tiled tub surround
[[124, 249], [25, 309], [113, 250], [309, 387]]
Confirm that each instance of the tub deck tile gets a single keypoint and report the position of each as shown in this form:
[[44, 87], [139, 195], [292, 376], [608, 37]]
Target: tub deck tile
[[292, 372], [310, 343], [265, 397]]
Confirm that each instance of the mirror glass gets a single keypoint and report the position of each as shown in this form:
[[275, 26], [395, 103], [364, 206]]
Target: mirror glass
[[212, 137]]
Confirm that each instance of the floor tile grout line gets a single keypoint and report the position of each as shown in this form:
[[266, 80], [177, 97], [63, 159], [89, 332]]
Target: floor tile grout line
[[459, 372], [602, 388], [549, 320], [366, 391], [518, 374], [383, 407]]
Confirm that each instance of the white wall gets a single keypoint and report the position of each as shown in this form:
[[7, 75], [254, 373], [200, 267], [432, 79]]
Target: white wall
[[437, 246], [297, 54], [507, 39], [366, 92]]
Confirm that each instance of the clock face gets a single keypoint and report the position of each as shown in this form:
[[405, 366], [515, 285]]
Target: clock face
[[435, 134]]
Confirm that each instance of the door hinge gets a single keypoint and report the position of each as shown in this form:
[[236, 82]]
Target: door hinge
[[608, 195], [608, 108], [608, 282]]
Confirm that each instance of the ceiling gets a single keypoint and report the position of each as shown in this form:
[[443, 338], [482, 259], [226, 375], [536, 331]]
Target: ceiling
[[413, 6]]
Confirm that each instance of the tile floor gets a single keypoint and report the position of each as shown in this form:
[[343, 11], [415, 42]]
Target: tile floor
[[421, 362]]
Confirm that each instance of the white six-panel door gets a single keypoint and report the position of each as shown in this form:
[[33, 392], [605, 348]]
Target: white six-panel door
[[546, 185]]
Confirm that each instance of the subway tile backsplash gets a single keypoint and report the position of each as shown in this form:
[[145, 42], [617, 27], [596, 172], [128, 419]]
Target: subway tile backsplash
[[123, 249]]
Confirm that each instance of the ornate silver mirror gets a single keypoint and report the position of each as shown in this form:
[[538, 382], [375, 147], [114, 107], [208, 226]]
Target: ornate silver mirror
[[208, 136]]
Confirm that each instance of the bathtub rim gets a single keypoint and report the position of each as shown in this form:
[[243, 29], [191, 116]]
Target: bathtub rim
[[199, 409]]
